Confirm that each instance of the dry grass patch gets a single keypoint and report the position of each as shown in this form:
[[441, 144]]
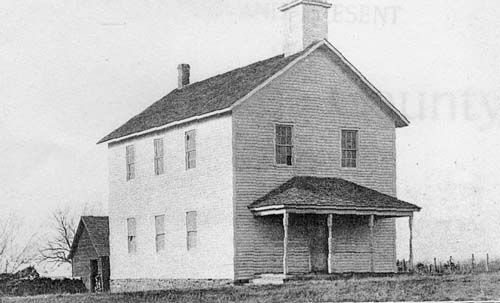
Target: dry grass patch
[[401, 288]]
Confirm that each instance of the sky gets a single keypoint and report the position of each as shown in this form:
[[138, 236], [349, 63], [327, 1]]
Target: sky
[[72, 71]]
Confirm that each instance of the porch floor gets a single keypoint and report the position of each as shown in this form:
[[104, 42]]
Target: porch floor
[[277, 279]]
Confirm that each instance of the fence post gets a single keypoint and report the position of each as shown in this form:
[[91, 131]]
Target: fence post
[[487, 262], [472, 263]]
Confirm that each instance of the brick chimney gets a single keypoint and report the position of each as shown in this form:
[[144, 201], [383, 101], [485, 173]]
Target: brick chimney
[[304, 22], [183, 75]]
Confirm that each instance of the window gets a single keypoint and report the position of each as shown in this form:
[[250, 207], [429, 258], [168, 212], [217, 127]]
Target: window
[[349, 148], [160, 232], [191, 229], [130, 155], [190, 149], [132, 238], [284, 144], [158, 143]]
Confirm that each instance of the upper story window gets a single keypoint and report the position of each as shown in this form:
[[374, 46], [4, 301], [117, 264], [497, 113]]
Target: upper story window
[[131, 235], [130, 156], [349, 148], [284, 144], [160, 232], [191, 229], [158, 145], [190, 149]]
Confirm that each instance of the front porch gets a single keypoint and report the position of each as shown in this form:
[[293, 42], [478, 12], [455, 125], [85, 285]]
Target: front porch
[[333, 243], [328, 225]]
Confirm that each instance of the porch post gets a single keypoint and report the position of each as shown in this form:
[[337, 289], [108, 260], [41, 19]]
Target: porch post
[[285, 243], [330, 243], [370, 224], [410, 224]]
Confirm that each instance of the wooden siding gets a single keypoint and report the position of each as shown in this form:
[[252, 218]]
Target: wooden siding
[[351, 249], [206, 189], [320, 97], [81, 258]]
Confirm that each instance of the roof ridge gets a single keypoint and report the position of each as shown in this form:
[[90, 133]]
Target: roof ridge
[[220, 93], [227, 72], [95, 230]]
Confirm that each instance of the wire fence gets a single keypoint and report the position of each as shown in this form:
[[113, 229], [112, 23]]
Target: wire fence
[[451, 266]]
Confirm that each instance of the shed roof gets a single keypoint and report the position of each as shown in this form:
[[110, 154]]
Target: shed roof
[[335, 193], [223, 91], [98, 230]]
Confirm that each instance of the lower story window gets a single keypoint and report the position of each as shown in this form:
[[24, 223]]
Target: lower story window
[[160, 232], [131, 235], [191, 228]]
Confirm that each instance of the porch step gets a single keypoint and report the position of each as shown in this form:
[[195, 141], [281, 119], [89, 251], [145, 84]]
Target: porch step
[[271, 279]]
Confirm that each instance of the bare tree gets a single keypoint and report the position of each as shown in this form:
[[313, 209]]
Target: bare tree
[[58, 246], [63, 223], [16, 251]]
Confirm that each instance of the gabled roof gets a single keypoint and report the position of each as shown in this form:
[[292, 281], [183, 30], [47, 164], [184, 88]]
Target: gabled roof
[[203, 97], [98, 230], [221, 93], [333, 193]]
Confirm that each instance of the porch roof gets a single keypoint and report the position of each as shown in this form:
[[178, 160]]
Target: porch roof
[[329, 195]]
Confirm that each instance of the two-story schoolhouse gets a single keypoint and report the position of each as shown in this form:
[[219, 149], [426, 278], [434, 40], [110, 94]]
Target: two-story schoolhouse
[[284, 166]]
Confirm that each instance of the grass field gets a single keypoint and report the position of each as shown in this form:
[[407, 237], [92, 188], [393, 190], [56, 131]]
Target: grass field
[[402, 288]]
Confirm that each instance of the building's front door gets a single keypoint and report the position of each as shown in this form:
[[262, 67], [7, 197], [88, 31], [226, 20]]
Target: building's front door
[[318, 246]]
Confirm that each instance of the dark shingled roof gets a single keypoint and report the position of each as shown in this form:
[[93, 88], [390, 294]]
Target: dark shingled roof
[[98, 229], [329, 192], [216, 93]]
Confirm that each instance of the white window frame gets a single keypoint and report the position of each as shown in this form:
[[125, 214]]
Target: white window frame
[[159, 156], [160, 233], [130, 162], [132, 236], [190, 151], [192, 231], [292, 138]]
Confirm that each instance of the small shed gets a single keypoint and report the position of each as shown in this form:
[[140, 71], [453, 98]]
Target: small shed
[[90, 253]]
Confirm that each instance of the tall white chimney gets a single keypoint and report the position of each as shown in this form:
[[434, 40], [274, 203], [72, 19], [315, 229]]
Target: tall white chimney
[[304, 22]]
